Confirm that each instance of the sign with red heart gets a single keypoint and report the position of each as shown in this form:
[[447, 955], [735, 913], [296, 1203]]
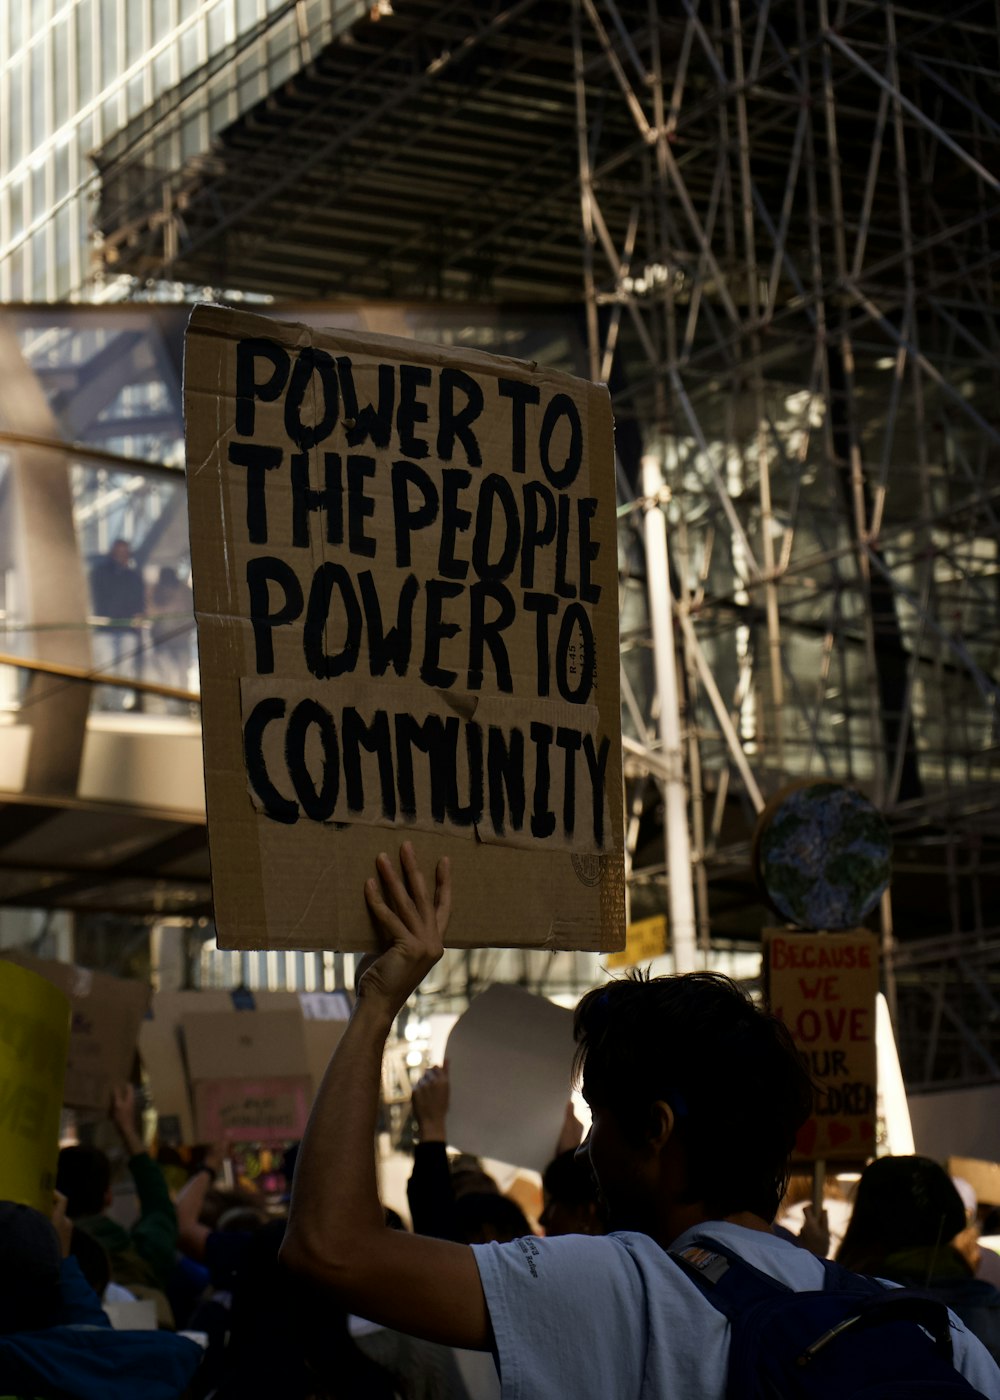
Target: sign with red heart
[[823, 986]]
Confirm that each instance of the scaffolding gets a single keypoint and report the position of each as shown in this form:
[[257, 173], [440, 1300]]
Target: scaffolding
[[790, 266], [782, 215]]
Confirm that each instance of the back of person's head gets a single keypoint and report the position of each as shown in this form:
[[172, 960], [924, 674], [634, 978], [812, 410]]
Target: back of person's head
[[468, 1176], [572, 1203], [485, 1217], [243, 1220], [84, 1178], [728, 1070], [30, 1259], [900, 1203]]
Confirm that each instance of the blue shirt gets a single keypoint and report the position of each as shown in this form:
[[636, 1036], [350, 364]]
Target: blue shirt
[[613, 1316]]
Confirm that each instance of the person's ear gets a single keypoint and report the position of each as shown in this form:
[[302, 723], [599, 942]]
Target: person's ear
[[661, 1124]]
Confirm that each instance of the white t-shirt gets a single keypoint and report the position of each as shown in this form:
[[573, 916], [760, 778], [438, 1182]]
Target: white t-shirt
[[614, 1318]]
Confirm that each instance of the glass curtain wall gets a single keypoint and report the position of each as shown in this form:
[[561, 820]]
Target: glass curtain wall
[[75, 73]]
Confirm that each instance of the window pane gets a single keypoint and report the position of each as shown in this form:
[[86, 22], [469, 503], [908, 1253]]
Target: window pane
[[17, 131], [134, 43], [85, 51], [190, 50], [163, 71], [61, 171], [39, 193], [38, 94], [110, 118], [17, 276], [136, 95], [161, 19], [218, 26], [16, 208], [39, 286], [61, 63], [62, 237], [15, 19], [109, 41]]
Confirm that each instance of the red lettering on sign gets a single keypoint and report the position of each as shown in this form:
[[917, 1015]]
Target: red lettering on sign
[[811, 955], [819, 988], [836, 1023]]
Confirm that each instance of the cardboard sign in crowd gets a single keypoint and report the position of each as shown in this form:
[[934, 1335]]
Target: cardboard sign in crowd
[[34, 1035], [823, 986], [106, 1014], [219, 1074], [405, 574]]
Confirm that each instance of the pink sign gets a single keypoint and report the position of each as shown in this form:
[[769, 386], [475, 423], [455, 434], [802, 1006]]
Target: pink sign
[[251, 1110]]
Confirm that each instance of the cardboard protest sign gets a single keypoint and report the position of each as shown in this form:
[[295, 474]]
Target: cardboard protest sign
[[823, 986], [224, 1045], [107, 1013], [405, 573], [34, 1038], [510, 1060], [193, 1037], [644, 939], [274, 1109]]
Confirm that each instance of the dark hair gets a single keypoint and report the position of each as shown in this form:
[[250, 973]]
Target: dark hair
[[569, 1180], [242, 1220], [480, 1212], [30, 1294], [900, 1203], [728, 1069], [83, 1176]]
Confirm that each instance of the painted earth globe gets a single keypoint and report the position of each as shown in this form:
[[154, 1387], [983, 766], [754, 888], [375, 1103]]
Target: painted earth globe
[[823, 855]]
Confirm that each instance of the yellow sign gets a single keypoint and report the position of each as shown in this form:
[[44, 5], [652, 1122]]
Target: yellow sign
[[34, 1040], [643, 940]]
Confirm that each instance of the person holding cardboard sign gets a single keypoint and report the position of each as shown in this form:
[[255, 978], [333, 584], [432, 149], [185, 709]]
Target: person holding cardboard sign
[[143, 1256], [696, 1097]]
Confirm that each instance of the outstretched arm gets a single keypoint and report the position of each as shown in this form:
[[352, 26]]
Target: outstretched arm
[[429, 1190], [336, 1232], [192, 1235]]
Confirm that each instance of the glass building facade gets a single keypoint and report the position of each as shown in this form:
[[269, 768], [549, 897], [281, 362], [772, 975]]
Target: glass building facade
[[74, 74]]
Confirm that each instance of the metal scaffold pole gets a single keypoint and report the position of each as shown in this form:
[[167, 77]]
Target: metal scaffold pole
[[675, 795]]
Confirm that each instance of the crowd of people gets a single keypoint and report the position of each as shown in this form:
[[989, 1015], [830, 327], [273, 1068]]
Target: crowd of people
[[623, 1286]]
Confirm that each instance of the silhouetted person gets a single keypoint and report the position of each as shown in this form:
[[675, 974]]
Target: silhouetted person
[[118, 597], [696, 1095], [907, 1217]]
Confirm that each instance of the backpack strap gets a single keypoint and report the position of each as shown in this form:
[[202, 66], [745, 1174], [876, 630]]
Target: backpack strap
[[732, 1285], [894, 1305], [727, 1281], [841, 1280]]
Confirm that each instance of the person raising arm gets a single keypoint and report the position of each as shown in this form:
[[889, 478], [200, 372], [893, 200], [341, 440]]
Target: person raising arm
[[336, 1228]]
